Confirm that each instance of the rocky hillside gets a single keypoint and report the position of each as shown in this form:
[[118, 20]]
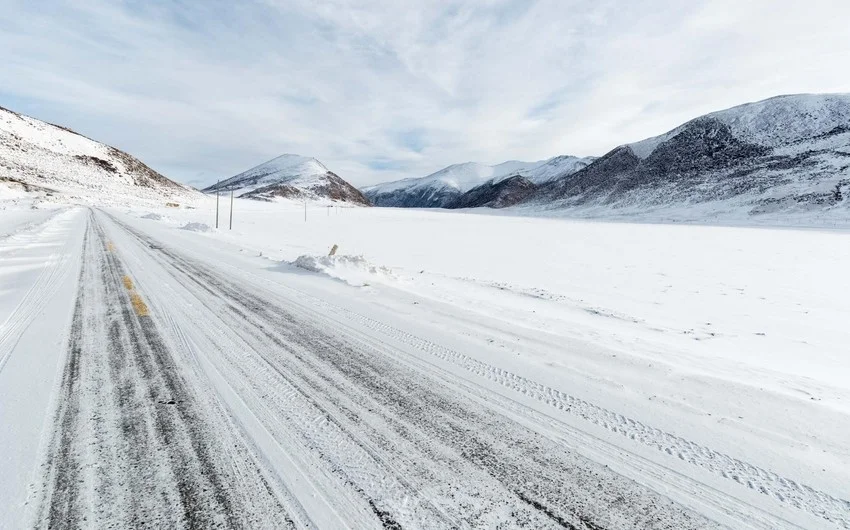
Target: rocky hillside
[[789, 153], [56, 163], [445, 188], [291, 177], [506, 192]]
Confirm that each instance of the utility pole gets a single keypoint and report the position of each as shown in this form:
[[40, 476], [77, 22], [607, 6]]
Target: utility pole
[[305, 211], [218, 182], [231, 209]]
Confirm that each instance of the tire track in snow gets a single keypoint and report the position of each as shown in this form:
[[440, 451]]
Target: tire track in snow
[[785, 490], [132, 447], [298, 417], [53, 271]]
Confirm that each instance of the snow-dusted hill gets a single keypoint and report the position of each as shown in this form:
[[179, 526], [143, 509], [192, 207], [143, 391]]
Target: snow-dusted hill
[[38, 159], [445, 187], [773, 122], [785, 154], [291, 177]]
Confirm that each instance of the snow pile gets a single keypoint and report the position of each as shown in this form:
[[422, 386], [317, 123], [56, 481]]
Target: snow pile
[[11, 190], [196, 227], [353, 270]]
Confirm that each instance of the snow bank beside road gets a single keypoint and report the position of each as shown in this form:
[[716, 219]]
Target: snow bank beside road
[[196, 227], [354, 270]]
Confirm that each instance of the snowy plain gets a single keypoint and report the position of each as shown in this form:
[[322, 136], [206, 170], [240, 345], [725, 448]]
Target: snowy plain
[[769, 297]]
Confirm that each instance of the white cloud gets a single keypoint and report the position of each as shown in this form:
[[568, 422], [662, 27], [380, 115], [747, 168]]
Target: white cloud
[[383, 89]]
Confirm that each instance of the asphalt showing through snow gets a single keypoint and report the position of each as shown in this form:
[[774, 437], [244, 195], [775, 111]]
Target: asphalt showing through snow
[[131, 447]]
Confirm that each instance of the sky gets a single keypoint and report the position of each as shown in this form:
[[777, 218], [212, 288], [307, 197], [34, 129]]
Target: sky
[[383, 89]]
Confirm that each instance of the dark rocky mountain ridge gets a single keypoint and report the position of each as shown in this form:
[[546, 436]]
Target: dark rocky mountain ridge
[[445, 187], [508, 192], [706, 161]]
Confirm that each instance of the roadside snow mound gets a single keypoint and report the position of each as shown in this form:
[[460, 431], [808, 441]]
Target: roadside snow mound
[[11, 190], [196, 227], [353, 270]]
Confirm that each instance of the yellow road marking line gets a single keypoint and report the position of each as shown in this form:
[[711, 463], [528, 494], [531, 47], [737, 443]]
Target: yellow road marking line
[[139, 304], [135, 299]]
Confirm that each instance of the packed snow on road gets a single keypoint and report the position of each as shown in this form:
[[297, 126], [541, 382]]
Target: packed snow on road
[[436, 370]]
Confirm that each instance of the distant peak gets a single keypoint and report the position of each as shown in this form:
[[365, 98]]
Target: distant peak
[[461, 165], [290, 157]]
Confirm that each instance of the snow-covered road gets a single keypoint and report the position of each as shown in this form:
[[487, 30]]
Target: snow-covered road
[[133, 442], [195, 386]]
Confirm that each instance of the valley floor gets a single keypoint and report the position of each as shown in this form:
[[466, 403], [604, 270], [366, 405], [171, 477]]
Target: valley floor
[[442, 370]]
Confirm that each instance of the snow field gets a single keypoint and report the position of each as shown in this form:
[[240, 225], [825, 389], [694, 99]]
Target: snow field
[[752, 296]]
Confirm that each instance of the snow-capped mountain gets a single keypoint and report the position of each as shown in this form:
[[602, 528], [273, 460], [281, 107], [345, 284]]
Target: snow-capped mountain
[[787, 153], [291, 177], [515, 187], [51, 162], [445, 187], [440, 188]]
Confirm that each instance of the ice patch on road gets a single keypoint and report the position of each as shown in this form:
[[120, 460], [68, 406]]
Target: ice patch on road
[[353, 270], [196, 227]]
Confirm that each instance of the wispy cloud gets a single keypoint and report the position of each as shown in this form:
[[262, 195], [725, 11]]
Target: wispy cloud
[[379, 89]]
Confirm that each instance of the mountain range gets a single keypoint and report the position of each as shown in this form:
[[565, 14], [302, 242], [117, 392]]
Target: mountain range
[[444, 188], [784, 153]]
